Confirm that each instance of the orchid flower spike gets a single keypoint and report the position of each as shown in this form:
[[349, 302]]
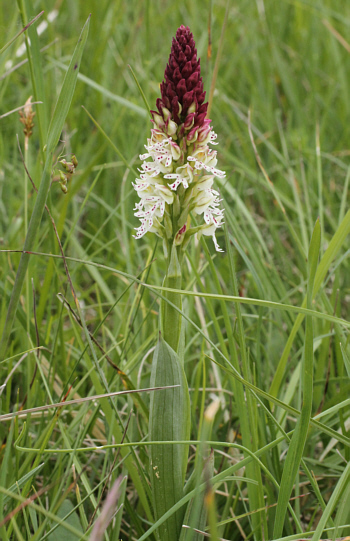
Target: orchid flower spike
[[179, 167]]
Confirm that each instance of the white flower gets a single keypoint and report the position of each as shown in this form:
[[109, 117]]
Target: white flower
[[151, 205], [166, 167], [183, 175], [209, 230]]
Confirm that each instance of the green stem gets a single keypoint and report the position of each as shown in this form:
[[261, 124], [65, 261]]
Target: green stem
[[27, 286], [171, 319]]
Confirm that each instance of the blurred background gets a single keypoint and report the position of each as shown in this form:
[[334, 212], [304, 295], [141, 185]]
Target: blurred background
[[286, 65]]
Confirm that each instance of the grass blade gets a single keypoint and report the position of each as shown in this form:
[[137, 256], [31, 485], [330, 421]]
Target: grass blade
[[3, 49], [333, 248], [56, 126], [66, 95], [336, 494], [297, 443]]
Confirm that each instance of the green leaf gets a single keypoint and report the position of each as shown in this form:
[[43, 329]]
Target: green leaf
[[314, 251], [337, 493], [333, 248], [5, 471], [343, 513], [24, 479], [73, 519], [55, 129], [196, 511], [104, 91], [140, 90], [9, 43], [66, 95], [345, 359], [297, 444], [35, 67], [169, 421]]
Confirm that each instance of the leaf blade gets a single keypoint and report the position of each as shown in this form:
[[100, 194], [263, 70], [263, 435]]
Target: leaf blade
[[297, 444], [66, 95]]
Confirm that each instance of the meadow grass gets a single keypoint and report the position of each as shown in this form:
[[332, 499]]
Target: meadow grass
[[267, 330]]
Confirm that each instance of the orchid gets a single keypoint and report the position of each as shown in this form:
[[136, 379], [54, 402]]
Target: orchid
[[176, 180], [179, 167]]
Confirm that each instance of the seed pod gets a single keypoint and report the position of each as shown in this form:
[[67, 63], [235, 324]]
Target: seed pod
[[69, 166]]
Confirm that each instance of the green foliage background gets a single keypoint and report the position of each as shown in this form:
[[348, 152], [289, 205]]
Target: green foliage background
[[286, 65]]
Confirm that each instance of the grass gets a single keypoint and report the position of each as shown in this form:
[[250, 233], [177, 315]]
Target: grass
[[255, 320]]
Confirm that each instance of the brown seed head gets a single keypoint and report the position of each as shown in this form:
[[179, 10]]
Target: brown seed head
[[26, 117]]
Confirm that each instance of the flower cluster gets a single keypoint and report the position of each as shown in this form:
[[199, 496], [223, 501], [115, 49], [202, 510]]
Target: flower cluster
[[179, 167]]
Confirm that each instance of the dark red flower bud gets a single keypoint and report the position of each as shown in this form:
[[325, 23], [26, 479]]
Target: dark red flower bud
[[177, 75], [203, 108], [170, 89], [189, 120], [187, 70], [182, 87], [175, 108], [159, 105], [193, 80], [200, 119], [188, 51], [182, 57], [188, 99], [200, 96]]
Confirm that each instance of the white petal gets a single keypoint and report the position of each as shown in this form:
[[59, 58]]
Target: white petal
[[217, 247]]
